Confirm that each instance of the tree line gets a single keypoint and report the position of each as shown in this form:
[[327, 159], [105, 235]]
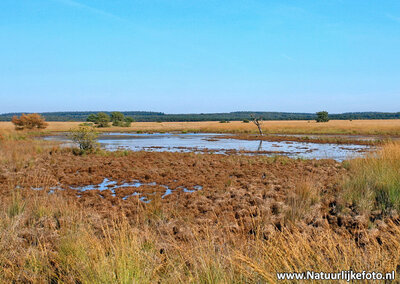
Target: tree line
[[117, 118], [231, 116]]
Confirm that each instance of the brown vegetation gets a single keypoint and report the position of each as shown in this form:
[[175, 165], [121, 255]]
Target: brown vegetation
[[29, 121], [253, 217]]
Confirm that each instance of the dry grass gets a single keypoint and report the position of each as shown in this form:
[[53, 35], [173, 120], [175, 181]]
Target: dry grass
[[48, 238], [302, 198], [19, 149], [293, 251], [367, 127], [374, 183]]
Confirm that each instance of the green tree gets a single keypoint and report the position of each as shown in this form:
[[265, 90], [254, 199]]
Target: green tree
[[102, 119], [128, 121], [85, 137], [117, 118], [92, 118], [322, 116]]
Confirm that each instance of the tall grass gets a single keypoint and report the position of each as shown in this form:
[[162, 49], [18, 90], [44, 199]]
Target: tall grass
[[20, 149], [55, 240], [324, 250], [301, 199], [374, 181]]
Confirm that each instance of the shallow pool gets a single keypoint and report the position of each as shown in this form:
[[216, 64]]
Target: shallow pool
[[212, 143]]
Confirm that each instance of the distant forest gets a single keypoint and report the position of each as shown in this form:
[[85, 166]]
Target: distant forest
[[231, 116]]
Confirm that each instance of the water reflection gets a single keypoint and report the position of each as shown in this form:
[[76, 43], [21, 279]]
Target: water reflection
[[259, 146]]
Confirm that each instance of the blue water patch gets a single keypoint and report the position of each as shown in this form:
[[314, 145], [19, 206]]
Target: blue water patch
[[213, 143], [112, 186]]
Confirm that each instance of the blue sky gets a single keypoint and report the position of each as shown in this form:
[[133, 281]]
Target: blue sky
[[181, 56]]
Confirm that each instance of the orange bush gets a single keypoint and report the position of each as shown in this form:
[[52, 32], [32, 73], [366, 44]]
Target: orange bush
[[29, 121]]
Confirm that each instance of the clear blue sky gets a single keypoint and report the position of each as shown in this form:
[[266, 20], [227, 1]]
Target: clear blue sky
[[180, 56]]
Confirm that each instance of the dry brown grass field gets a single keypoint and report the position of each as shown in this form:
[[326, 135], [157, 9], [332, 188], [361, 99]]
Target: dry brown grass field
[[364, 127]]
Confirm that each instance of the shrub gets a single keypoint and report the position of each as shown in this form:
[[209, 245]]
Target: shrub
[[87, 124], [29, 121], [246, 121], [224, 121], [86, 137]]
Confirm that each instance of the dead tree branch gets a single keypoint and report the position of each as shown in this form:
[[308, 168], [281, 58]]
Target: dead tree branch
[[258, 122]]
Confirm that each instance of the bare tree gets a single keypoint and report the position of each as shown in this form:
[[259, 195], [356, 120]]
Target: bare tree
[[258, 122]]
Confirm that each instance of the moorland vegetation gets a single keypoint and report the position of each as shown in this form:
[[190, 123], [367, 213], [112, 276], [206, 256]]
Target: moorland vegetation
[[253, 217]]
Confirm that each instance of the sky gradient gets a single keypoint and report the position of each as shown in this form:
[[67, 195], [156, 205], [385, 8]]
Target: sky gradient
[[186, 56]]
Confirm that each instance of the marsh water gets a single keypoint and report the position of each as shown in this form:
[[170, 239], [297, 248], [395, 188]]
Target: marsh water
[[113, 186], [214, 143]]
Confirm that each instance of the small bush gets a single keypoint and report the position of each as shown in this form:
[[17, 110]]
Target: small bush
[[29, 121], [90, 124], [246, 121], [86, 137]]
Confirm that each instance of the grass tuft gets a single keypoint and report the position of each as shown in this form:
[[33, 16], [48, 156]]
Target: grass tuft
[[374, 181]]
